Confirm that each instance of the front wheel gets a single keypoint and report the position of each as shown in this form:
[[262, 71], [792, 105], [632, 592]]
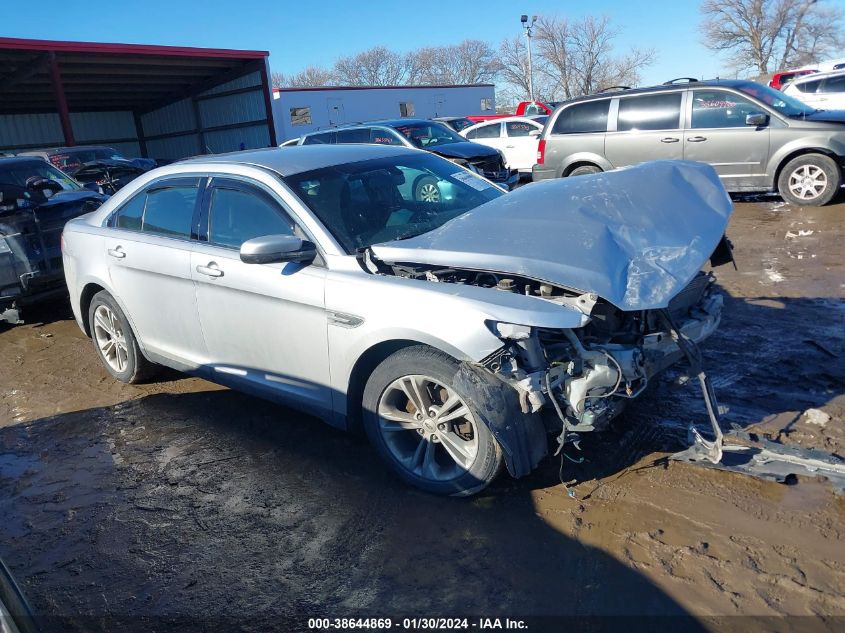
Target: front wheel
[[425, 428], [809, 180], [426, 190]]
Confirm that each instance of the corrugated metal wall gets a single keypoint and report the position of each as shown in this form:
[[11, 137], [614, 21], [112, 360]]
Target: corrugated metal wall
[[230, 116], [222, 125]]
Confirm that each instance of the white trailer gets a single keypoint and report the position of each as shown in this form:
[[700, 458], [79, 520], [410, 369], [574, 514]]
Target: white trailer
[[297, 111]]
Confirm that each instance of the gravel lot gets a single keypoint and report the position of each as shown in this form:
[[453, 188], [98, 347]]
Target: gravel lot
[[122, 505]]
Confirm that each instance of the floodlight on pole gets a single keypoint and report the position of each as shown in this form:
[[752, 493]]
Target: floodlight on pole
[[528, 27]]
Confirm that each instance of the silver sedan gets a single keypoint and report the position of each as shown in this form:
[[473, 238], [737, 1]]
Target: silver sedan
[[458, 333]]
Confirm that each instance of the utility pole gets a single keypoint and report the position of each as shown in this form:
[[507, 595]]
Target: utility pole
[[528, 33]]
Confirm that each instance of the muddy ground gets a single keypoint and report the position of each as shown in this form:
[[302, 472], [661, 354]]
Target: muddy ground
[[122, 505]]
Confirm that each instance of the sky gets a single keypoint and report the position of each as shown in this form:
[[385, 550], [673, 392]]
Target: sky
[[301, 33]]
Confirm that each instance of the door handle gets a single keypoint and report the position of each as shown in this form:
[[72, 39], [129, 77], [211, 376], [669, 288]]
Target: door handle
[[697, 139], [509, 146], [211, 270], [669, 139], [117, 252]]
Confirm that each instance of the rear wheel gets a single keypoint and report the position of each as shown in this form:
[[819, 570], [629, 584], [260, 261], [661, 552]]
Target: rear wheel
[[115, 342], [425, 428], [584, 170], [809, 180]]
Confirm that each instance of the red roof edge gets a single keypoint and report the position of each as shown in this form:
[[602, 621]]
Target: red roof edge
[[58, 46], [317, 88]]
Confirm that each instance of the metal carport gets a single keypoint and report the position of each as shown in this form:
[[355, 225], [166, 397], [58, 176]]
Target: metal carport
[[163, 102]]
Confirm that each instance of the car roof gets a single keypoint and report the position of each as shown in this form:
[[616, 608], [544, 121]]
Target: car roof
[[75, 148], [301, 158], [817, 76], [8, 160], [721, 83]]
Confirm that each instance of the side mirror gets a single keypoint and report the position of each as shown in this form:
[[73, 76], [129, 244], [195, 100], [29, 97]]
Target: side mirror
[[92, 186], [535, 132], [270, 249], [756, 119]]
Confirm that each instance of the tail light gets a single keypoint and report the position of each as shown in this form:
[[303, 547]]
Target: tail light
[[541, 151]]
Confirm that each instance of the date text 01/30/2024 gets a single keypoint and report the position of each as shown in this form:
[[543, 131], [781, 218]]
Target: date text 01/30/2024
[[416, 624]]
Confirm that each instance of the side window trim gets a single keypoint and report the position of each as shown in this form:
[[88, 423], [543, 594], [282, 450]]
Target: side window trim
[[159, 184], [250, 186]]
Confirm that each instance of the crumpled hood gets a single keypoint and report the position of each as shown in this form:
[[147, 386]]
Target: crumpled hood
[[635, 237], [463, 150]]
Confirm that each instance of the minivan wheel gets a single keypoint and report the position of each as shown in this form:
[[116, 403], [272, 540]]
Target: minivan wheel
[[115, 342], [811, 179], [584, 170], [427, 430]]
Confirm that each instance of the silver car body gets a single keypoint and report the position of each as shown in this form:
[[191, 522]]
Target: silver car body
[[746, 157], [302, 335]]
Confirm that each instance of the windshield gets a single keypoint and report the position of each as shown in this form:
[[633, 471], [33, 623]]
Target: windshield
[[460, 124], [18, 172], [428, 134], [786, 105], [383, 199], [74, 159]]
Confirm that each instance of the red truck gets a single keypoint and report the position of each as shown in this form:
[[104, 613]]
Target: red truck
[[525, 108]]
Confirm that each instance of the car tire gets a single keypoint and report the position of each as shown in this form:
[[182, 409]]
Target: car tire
[[426, 190], [114, 341], [809, 180], [584, 170], [445, 451]]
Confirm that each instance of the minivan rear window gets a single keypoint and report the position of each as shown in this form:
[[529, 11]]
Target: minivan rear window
[[650, 112], [583, 118]]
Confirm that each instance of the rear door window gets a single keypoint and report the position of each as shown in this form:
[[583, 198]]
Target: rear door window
[[808, 86], [650, 112], [519, 128], [326, 138], [486, 131], [583, 118], [169, 211], [720, 109]]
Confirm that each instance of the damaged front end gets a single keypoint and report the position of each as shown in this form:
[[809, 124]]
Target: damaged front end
[[628, 258], [578, 380]]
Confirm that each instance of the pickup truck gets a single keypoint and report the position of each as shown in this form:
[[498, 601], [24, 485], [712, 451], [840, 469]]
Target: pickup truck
[[525, 108]]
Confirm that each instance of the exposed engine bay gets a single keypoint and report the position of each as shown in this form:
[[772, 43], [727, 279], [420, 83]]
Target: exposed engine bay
[[587, 373]]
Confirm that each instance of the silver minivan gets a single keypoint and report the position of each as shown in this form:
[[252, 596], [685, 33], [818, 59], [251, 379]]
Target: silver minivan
[[757, 138]]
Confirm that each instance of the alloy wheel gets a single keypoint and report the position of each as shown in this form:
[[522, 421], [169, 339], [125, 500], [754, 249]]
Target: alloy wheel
[[108, 333], [428, 428], [429, 192], [807, 182]]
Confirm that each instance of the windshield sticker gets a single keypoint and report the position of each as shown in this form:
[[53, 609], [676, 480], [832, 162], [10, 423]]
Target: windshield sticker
[[473, 181]]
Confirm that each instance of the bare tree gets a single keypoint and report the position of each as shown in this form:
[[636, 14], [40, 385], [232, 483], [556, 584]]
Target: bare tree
[[572, 58], [377, 66], [312, 77], [767, 35], [278, 80], [471, 61]]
